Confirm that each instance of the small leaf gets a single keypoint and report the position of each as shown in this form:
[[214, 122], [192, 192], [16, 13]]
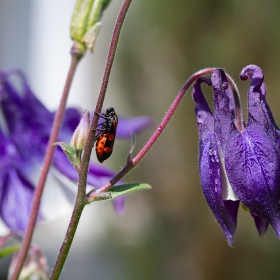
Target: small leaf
[[125, 189], [8, 250], [117, 191], [90, 37], [70, 152]]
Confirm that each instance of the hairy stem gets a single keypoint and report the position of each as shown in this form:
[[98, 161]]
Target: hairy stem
[[45, 168], [106, 76], [64, 250], [83, 169]]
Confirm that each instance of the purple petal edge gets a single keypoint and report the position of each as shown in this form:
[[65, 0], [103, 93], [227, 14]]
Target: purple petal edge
[[137, 124]]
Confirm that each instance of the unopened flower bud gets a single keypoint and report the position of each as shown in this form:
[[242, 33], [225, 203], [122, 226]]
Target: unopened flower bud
[[85, 15], [35, 265], [79, 137]]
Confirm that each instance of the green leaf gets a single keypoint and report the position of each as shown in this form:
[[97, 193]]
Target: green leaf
[[8, 250], [126, 189], [117, 191], [70, 152]]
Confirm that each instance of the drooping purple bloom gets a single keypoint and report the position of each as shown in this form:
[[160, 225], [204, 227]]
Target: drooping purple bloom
[[210, 164], [25, 126], [239, 164]]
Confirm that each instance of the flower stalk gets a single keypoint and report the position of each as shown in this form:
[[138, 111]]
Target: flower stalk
[[45, 168], [132, 163]]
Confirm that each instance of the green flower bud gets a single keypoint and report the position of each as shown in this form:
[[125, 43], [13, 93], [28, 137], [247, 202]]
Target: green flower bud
[[79, 137], [91, 36], [85, 16]]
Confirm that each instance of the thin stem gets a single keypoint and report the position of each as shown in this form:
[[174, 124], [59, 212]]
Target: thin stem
[[83, 169], [46, 166], [106, 76], [64, 250], [112, 53], [109, 63]]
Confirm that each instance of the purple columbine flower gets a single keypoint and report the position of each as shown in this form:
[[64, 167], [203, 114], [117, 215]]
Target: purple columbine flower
[[237, 162], [25, 126]]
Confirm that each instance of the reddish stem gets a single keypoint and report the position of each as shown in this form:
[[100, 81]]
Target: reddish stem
[[101, 97], [130, 164], [45, 169]]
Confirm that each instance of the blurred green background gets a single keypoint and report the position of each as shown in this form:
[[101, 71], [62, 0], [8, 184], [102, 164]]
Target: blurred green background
[[170, 232]]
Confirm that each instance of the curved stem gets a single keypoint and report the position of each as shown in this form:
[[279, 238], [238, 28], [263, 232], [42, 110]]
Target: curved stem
[[83, 169], [132, 163], [45, 168]]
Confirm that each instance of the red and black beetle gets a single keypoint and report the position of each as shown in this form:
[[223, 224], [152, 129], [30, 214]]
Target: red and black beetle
[[105, 137]]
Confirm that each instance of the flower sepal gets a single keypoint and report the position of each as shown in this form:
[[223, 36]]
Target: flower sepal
[[84, 22], [71, 152]]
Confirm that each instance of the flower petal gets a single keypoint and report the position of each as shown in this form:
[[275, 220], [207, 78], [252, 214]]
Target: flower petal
[[211, 181], [30, 113], [71, 120], [119, 204], [16, 201], [204, 116], [137, 124], [259, 109], [210, 166], [253, 160], [224, 117], [224, 120], [26, 128], [261, 224]]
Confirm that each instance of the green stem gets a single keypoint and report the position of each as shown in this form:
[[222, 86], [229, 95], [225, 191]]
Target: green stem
[[45, 169], [73, 225]]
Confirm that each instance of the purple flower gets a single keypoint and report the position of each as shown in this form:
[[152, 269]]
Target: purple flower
[[236, 162], [25, 126]]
